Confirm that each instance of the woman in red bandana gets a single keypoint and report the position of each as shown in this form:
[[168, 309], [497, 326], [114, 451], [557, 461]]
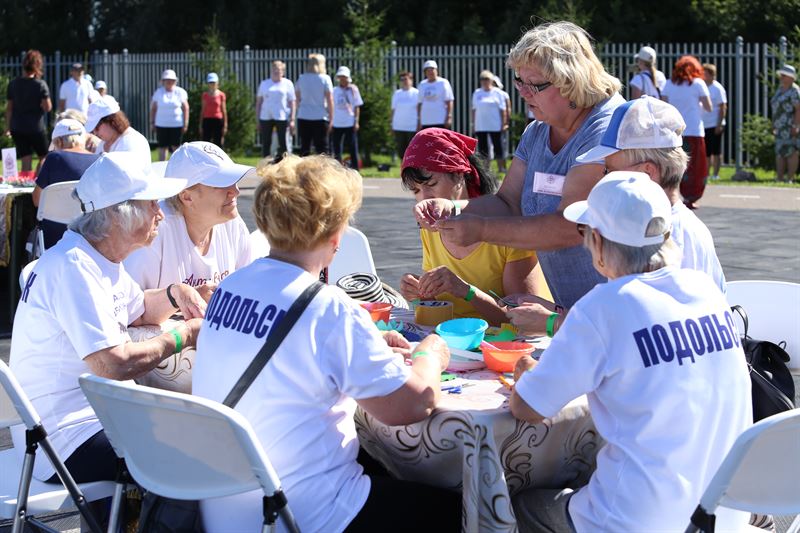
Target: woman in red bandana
[[440, 163]]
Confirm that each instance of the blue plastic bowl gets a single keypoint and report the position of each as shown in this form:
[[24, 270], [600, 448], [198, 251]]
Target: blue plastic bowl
[[462, 333]]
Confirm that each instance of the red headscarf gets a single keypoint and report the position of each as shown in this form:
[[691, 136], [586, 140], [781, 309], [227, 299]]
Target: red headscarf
[[441, 150]]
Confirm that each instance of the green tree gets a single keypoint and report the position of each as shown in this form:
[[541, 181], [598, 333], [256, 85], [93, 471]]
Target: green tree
[[5, 142], [239, 98], [369, 48]]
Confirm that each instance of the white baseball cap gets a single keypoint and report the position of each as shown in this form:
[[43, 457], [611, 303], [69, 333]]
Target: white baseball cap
[[625, 207], [429, 64], [646, 53], [67, 126], [212, 78], [206, 163], [646, 122], [169, 74], [343, 71], [100, 108], [498, 82], [787, 70], [100, 84], [120, 176], [88, 77]]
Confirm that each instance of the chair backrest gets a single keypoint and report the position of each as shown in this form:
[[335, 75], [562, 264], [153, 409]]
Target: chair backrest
[[354, 255], [15, 408], [761, 471], [57, 204], [177, 445], [772, 310]]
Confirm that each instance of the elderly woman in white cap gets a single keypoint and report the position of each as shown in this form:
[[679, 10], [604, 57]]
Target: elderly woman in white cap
[[67, 163], [648, 80], [435, 108], [786, 123], [202, 238], [76, 307], [657, 353], [108, 122], [169, 114], [347, 104]]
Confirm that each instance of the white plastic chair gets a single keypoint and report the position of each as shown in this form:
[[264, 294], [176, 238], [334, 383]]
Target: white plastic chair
[[354, 255], [56, 204], [21, 496], [760, 473], [185, 447], [259, 246], [773, 310]]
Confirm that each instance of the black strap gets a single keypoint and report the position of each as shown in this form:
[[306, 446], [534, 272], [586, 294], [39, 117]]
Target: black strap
[[274, 340]]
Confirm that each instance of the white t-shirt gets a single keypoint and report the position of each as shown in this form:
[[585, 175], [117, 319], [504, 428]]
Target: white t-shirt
[[312, 89], [169, 107], [658, 356], [434, 95], [277, 99], [488, 106], [644, 83], [173, 258], [696, 243], [404, 105], [686, 98], [302, 403], [75, 303], [130, 141], [718, 97], [345, 102], [77, 94]]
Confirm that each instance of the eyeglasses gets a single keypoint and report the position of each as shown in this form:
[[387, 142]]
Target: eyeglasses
[[534, 88], [582, 229]]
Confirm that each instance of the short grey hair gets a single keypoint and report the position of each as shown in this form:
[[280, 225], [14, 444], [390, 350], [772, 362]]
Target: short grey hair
[[69, 141], [96, 225], [671, 163], [626, 260]]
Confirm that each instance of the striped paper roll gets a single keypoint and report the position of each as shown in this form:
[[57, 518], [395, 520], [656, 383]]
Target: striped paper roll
[[433, 312]]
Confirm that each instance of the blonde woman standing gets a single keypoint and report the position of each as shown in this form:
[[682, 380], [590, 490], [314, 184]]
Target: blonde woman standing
[[649, 80], [314, 95]]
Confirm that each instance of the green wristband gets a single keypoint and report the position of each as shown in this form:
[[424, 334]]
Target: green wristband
[[456, 208], [551, 322], [470, 293], [178, 339], [421, 353]]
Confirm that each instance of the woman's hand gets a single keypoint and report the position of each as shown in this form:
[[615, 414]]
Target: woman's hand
[[529, 318], [206, 290], [427, 212], [463, 230], [524, 363], [397, 343], [189, 301], [440, 280], [409, 287], [193, 328]]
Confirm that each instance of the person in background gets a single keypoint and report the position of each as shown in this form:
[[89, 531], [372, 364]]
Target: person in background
[[714, 120], [107, 121], [275, 109], [404, 112], [435, 106], [440, 163], [785, 105], [314, 95], [489, 114], [214, 111], [648, 80], [101, 88], [76, 92], [501, 163], [334, 359], [202, 238], [67, 162], [687, 91], [635, 373], [27, 102], [347, 104], [169, 114]]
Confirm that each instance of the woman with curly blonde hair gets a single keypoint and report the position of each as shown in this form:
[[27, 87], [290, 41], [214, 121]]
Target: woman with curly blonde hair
[[572, 98], [687, 91]]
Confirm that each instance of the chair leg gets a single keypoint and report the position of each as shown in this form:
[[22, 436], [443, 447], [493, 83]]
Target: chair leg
[[118, 501], [20, 513], [274, 506]]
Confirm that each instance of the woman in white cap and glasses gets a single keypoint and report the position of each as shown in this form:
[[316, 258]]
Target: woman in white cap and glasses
[[202, 238], [108, 122], [657, 353], [169, 114], [67, 162], [76, 307], [347, 104], [435, 107], [786, 123], [214, 112], [648, 80]]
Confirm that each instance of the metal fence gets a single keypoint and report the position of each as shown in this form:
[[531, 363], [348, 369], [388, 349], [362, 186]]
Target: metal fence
[[132, 78]]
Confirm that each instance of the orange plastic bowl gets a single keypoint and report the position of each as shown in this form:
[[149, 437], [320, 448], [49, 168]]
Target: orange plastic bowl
[[505, 357], [378, 310]]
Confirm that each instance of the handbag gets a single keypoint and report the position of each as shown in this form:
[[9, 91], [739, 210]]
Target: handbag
[[771, 380], [168, 515]]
